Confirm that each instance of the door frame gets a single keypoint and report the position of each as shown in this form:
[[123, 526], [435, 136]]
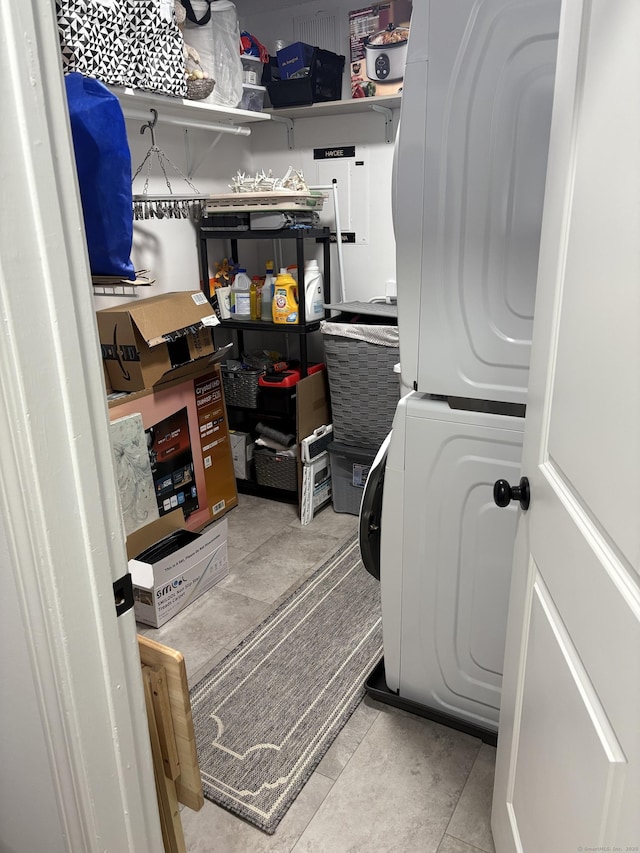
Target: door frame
[[58, 494]]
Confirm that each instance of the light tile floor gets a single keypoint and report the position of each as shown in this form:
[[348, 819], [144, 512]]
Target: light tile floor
[[391, 782]]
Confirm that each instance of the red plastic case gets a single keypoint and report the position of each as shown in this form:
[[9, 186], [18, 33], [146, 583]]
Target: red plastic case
[[277, 391]]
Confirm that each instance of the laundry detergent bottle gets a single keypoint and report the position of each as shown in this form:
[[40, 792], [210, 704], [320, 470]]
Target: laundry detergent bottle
[[285, 299], [241, 294], [313, 292]]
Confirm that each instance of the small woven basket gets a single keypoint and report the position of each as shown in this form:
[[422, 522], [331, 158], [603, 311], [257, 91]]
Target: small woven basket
[[199, 89], [241, 387], [274, 470]]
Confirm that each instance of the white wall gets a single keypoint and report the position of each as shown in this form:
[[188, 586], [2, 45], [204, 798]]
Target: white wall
[[169, 248], [366, 265], [25, 775], [285, 19]]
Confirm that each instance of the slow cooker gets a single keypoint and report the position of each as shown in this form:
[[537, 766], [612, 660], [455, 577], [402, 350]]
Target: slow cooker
[[386, 54]]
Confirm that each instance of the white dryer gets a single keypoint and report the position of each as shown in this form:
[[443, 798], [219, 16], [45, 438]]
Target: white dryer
[[471, 157]]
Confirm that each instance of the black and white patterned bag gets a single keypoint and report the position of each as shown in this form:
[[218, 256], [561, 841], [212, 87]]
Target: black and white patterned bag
[[123, 42]]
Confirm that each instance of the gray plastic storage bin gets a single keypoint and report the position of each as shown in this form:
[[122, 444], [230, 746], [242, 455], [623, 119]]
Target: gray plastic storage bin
[[363, 386], [349, 471]]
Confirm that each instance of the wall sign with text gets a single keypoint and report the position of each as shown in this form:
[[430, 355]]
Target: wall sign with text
[[336, 152]]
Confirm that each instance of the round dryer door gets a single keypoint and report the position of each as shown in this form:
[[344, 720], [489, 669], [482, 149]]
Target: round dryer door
[[371, 512]]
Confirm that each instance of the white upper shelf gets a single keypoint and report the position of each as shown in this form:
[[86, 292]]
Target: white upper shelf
[[329, 108], [136, 101], [136, 104]]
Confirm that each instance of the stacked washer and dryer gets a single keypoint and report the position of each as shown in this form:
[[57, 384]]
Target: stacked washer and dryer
[[469, 180]]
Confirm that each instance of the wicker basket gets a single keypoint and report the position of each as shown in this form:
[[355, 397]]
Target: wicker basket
[[276, 470], [241, 387], [364, 389], [199, 89]]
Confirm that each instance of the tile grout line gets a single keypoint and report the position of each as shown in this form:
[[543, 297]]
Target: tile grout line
[[354, 751], [462, 841], [446, 832], [322, 802], [292, 587]]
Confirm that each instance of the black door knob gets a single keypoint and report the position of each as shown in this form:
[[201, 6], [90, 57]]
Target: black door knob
[[503, 493]]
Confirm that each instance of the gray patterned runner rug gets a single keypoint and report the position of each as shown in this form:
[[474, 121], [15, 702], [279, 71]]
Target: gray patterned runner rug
[[267, 713]]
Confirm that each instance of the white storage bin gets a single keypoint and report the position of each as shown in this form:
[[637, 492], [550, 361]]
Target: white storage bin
[[251, 70], [252, 97]]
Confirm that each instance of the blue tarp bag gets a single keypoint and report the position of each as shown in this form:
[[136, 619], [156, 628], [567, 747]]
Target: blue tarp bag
[[103, 163]]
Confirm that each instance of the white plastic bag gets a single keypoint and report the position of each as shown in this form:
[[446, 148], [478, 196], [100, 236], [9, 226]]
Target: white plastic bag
[[212, 29]]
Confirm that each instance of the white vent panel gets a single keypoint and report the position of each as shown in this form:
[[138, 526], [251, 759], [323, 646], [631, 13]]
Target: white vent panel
[[319, 30]]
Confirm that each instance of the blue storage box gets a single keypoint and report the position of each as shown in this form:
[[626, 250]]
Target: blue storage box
[[293, 58]]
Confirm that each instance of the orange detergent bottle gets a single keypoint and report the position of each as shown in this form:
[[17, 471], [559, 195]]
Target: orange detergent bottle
[[285, 299]]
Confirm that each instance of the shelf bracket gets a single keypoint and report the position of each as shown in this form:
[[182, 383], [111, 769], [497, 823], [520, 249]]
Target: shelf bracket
[[119, 290], [388, 121], [289, 123]]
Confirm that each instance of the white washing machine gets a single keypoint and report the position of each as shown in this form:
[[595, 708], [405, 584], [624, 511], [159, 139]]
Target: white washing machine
[[445, 558]]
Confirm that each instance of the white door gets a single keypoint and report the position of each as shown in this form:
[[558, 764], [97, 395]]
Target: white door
[[568, 769], [61, 535]]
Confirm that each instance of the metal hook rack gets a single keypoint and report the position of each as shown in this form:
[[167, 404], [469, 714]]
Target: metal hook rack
[[163, 206], [150, 126]]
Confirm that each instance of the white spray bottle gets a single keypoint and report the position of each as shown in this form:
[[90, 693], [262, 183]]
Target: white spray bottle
[[267, 292]]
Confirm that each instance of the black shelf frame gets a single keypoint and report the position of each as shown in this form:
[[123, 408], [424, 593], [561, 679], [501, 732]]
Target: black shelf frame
[[250, 487], [301, 329], [243, 419], [266, 326]]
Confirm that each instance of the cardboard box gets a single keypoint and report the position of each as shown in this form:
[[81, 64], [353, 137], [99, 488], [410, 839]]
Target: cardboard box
[[107, 382], [149, 342], [312, 404], [293, 58], [242, 446], [167, 581], [312, 411], [187, 429], [377, 58]]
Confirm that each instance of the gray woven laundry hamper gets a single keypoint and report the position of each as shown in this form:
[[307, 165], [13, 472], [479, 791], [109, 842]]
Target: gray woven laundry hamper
[[363, 386]]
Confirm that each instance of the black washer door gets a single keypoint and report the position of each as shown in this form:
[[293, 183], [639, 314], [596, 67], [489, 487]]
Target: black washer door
[[371, 513]]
